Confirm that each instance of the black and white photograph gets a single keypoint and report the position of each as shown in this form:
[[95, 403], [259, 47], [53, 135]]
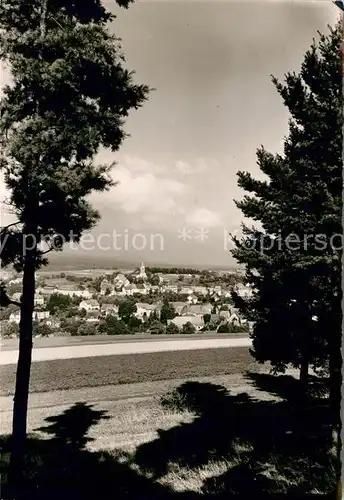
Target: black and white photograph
[[171, 235]]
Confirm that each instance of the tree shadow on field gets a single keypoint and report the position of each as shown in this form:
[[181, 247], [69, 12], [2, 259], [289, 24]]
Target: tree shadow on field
[[287, 387], [252, 449], [268, 447], [62, 468], [71, 427]]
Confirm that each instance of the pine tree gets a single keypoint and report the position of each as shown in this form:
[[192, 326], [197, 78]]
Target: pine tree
[[293, 258], [167, 312], [70, 95]]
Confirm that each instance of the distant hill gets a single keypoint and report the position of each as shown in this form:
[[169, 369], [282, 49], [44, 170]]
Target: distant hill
[[65, 261], [68, 261]]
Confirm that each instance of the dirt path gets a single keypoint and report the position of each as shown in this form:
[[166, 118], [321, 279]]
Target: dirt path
[[86, 351]]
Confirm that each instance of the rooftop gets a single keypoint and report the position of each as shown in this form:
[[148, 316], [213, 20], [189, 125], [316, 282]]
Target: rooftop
[[144, 305], [109, 306], [181, 320], [90, 302], [140, 286], [198, 309], [121, 277]]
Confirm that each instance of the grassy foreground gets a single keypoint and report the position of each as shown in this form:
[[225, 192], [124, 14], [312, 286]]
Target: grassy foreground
[[129, 368], [209, 443], [213, 436]]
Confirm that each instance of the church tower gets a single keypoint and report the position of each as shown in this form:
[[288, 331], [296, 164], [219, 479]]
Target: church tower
[[142, 274]]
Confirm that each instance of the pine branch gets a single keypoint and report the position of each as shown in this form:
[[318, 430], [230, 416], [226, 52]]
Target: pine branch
[[43, 23], [4, 228], [5, 301], [15, 303], [47, 251]]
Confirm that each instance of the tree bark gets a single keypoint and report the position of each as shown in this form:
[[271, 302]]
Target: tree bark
[[335, 366], [302, 395], [21, 396], [306, 330], [304, 375], [335, 390]]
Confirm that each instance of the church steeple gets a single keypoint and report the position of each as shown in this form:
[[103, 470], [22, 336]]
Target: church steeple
[[142, 273]]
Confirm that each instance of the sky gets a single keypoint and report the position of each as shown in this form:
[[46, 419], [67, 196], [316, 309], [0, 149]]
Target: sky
[[212, 107]]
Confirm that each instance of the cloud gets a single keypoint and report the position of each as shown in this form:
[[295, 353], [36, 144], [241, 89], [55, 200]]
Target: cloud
[[186, 168], [6, 212], [139, 165], [143, 189], [203, 217], [146, 192], [158, 196]]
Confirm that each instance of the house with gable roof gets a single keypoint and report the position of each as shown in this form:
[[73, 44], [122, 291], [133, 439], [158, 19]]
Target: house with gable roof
[[120, 281], [140, 288], [180, 321], [196, 310], [90, 305], [144, 310], [106, 287]]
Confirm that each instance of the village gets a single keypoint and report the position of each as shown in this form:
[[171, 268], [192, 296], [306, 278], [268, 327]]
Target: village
[[143, 300]]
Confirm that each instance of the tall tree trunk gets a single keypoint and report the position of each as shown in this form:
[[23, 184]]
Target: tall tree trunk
[[21, 396], [304, 372], [305, 354], [335, 389], [335, 366], [302, 395]]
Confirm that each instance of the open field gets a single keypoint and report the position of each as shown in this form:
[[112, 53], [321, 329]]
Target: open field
[[201, 438], [12, 344], [135, 409], [81, 273], [205, 424], [112, 370]]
